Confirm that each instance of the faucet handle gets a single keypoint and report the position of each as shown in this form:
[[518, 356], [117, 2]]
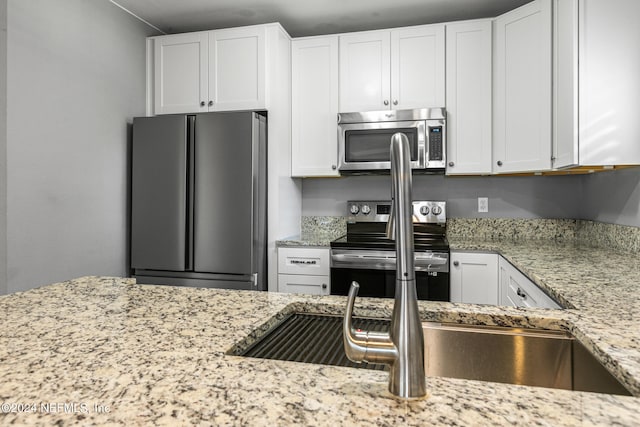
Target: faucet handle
[[364, 346], [354, 340], [348, 314]]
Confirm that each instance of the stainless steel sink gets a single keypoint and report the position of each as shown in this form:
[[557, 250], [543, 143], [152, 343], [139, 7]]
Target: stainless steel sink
[[508, 355]]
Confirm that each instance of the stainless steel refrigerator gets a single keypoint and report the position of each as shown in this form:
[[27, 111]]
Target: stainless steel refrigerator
[[198, 208]]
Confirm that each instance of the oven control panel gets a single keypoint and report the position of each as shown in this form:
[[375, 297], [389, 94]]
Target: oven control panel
[[378, 211]]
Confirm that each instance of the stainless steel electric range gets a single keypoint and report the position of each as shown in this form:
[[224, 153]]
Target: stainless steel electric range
[[365, 254]]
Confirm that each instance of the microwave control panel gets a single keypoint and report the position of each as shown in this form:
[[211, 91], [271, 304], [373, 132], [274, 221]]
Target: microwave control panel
[[436, 147]]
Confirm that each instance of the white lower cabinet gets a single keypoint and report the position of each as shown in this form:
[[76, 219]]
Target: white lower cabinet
[[474, 277], [304, 270], [518, 291]]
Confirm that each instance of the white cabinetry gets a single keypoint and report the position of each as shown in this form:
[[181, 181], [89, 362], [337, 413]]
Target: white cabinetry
[[392, 69], [180, 72], [237, 69], [210, 71], [468, 53], [314, 106], [474, 277], [518, 291], [304, 270], [597, 63], [522, 89]]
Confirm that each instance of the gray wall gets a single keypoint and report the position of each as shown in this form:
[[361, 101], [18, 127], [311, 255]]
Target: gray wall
[[612, 197], [509, 197], [3, 147], [76, 77]]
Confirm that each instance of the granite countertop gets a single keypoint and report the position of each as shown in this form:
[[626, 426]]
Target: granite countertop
[[317, 231], [311, 239], [102, 351]]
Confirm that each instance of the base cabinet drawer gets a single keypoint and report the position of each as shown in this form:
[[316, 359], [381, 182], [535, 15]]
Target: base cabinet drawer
[[304, 270], [301, 284], [308, 261]]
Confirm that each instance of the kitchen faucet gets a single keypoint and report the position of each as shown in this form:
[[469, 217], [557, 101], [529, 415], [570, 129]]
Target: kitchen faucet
[[402, 348]]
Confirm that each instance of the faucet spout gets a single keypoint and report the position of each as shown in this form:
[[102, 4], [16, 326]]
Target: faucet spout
[[403, 347]]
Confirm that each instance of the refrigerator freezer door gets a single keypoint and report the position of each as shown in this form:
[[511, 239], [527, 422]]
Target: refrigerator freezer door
[[159, 193], [223, 210]]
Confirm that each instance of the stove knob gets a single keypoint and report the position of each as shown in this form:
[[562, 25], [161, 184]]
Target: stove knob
[[354, 209], [436, 210], [424, 210], [366, 210]]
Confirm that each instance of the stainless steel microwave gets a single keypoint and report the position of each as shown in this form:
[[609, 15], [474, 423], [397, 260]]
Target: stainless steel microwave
[[364, 140]]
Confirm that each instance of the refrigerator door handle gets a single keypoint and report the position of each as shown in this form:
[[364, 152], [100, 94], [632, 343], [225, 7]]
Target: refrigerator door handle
[[191, 181]]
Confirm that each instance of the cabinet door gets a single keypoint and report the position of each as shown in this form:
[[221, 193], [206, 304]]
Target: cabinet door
[[609, 83], [314, 106], [417, 67], [469, 98], [522, 99], [565, 84], [237, 69], [365, 71], [518, 291], [474, 278], [180, 73]]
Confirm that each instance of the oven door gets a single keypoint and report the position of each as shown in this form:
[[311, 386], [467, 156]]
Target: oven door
[[365, 147], [376, 274]]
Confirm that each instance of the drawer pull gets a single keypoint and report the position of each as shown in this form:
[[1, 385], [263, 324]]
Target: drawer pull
[[521, 294]]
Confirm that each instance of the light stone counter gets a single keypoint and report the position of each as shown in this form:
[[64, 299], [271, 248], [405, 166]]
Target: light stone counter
[[156, 355]]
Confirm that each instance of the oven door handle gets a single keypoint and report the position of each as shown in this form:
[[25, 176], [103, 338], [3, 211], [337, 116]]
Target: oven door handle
[[363, 261], [430, 262]]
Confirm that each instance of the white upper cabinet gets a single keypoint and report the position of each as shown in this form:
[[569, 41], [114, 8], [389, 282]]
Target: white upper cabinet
[[210, 71], [597, 64], [468, 54], [365, 67], [522, 89], [417, 67], [314, 106], [237, 68], [392, 69], [180, 73]]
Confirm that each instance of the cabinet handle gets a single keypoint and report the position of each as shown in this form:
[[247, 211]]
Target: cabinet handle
[[202, 103], [521, 294], [451, 164], [334, 167], [456, 263], [324, 286], [395, 102], [385, 102], [499, 162], [210, 103]]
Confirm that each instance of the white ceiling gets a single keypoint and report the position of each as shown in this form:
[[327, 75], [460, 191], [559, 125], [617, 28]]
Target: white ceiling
[[310, 17]]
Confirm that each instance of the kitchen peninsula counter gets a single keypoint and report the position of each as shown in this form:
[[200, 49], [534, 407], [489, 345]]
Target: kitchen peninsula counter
[[99, 350]]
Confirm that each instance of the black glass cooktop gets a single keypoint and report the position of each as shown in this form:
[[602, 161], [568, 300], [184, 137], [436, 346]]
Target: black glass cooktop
[[373, 236]]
